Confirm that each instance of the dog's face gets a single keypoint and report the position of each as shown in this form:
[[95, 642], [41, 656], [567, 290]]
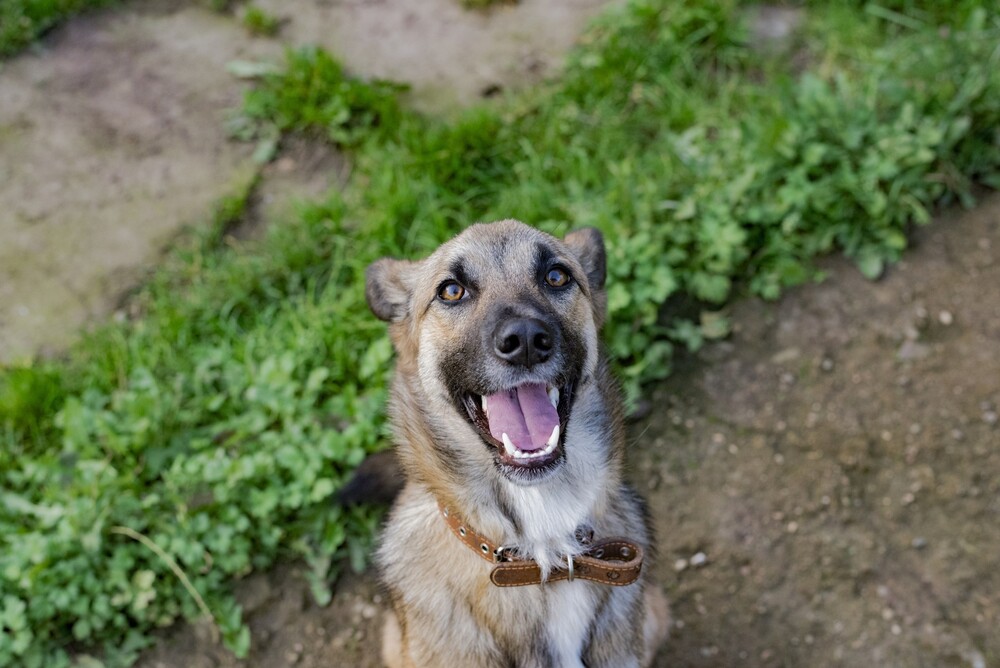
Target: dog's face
[[499, 329]]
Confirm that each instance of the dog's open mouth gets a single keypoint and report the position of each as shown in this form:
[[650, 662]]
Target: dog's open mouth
[[525, 424]]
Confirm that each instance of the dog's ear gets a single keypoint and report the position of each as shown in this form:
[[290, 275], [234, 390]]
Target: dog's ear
[[387, 288], [588, 245]]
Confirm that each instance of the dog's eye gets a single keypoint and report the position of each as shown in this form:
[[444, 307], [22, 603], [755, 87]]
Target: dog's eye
[[451, 292], [557, 277]]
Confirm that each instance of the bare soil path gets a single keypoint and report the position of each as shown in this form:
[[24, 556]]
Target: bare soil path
[[112, 133], [111, 140]]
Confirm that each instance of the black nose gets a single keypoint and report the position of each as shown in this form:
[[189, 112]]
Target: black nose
[[523, 341]]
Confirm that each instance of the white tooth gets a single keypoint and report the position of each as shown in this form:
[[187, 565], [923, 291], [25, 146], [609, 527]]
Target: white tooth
[[484, 405], [554, 396], [554, 438], [508, 446]]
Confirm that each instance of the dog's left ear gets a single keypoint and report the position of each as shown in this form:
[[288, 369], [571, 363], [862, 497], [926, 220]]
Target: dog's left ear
[[588, 245], [387, 289]]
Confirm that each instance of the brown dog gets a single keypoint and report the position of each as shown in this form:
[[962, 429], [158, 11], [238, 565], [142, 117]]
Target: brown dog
[[515, 541]]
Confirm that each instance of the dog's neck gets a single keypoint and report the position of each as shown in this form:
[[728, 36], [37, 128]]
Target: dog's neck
[[544, 522], [541, 520]]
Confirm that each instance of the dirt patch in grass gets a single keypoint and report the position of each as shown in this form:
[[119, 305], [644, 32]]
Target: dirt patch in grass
[[450, 55], [112, 140]]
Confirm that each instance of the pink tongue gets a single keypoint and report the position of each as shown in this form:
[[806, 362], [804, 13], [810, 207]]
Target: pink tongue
[[525, 414]]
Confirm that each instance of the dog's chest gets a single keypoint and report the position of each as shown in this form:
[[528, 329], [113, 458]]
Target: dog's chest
[[569, 621], [541, 626]]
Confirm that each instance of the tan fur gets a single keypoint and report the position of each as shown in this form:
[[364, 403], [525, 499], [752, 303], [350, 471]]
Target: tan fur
[[445, 610]]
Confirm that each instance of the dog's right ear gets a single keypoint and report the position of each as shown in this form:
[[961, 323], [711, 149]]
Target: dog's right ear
[[588, 245], [387, 288]]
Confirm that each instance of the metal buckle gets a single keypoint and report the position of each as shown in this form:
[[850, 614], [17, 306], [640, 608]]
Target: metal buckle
[[500, 554], [569, 565]]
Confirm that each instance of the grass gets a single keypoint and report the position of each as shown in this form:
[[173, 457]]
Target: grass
[[219, 423], [259, 22]]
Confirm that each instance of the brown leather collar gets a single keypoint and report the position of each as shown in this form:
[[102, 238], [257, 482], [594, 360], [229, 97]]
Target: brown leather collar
[[612, 561]]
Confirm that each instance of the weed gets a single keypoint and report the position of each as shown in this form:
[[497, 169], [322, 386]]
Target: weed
[[259, 22]]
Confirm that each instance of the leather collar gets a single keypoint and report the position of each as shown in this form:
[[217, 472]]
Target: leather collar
[[612, 561]]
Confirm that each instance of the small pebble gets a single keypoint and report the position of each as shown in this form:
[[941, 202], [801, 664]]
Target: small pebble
[[912, 350], [680, 565], [990, 417], [699, 559], [792, 527], [946, 318]]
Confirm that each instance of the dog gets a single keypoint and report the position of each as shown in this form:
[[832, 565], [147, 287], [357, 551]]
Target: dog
[[515, 540]]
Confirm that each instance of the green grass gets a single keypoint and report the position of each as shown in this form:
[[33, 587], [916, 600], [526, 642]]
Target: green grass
[[219, 423], [259, 22]]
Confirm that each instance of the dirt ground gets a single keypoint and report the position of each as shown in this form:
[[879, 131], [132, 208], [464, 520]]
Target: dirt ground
[[111, 140], [825, 484]]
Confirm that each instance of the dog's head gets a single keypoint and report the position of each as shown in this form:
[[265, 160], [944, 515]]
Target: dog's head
[[499, 329]]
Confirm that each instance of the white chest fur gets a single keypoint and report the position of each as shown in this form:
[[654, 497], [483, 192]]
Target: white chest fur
[[571, 608]]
